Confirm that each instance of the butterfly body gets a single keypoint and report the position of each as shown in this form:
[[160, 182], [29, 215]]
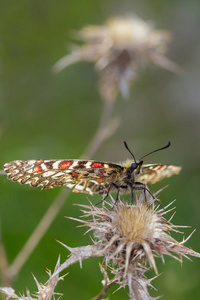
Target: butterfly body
[[87, 176]]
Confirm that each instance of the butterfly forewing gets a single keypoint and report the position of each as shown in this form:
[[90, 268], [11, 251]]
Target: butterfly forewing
[[84, 176]]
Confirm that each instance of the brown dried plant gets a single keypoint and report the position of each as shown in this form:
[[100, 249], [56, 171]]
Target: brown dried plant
[[118, 49]]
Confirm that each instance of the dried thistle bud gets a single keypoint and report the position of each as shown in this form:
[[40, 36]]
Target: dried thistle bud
[[118, 49]]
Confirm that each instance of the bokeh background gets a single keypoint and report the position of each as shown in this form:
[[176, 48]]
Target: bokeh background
[[43, 115]]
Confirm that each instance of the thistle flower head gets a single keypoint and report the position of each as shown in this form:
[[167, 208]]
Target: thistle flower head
[[118, 49], [129, 236]]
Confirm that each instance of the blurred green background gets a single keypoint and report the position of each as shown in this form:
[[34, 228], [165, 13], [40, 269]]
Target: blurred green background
[[55, 116]]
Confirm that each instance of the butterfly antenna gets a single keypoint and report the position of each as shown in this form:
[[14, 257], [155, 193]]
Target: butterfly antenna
[[168, 144], [125, 144]]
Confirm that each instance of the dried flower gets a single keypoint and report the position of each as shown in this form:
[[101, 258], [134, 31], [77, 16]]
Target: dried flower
[[118, 48], [129, 236]]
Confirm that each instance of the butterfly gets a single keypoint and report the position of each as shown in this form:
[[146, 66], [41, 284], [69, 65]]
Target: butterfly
[[90, 176]]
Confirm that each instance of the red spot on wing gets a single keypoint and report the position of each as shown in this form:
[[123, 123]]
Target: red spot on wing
[[159, 168], [99, 180], [77, 191], [37, 169], [74, 173], [100, 175], [65, 164], [97, 165], [59, 183]]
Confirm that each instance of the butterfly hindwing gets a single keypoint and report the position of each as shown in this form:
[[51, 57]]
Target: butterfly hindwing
[[153, 173]]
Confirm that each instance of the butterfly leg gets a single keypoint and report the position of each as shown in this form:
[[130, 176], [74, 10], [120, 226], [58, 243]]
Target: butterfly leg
[[107, 194], [132, 194], [117, 198], [143, 187]]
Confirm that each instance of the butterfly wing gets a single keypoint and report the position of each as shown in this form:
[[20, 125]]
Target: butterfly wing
[[84, 176], [153, 173]]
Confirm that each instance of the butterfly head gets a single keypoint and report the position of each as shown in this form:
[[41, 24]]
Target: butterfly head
[[136, 165]]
